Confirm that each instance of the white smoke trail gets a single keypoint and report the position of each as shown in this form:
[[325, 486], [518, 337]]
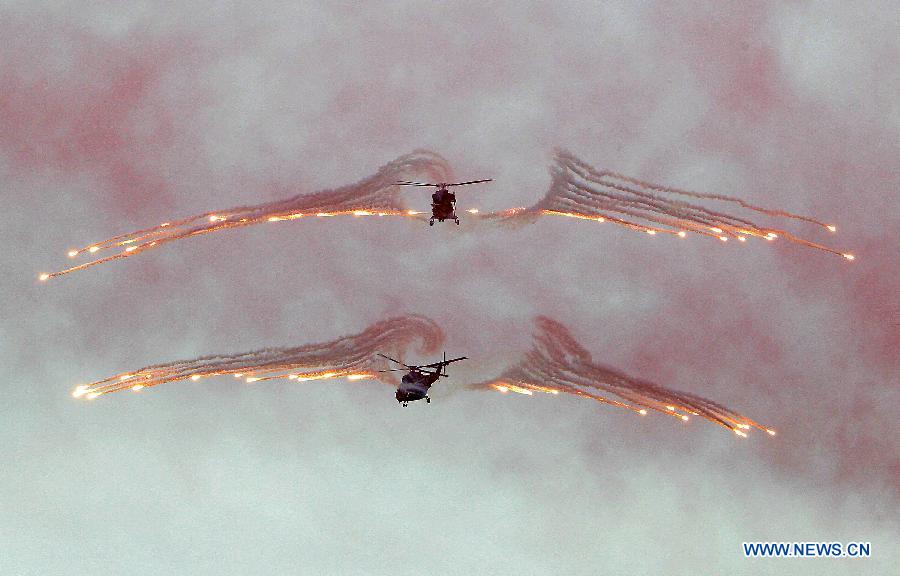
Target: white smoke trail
[[351, 356], [579, 191], [375, 196], [558, 364]]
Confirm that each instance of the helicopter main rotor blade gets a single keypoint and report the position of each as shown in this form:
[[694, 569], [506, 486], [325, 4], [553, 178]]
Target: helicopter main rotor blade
[[444, 363], [394, 370], [471, 182], [397, 361], [401, 183], [442, 185]]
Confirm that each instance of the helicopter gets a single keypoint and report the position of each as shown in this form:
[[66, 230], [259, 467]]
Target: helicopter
[[415, 383], [443, 201]]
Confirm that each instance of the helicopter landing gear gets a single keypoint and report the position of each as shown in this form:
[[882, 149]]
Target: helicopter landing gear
[[427, 400], [457, 221], [431, 222], [405, 404]]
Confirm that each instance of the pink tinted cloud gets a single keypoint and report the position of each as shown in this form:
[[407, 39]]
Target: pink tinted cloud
[[733, 57], [845, 164], [85, 118], [76, 102]]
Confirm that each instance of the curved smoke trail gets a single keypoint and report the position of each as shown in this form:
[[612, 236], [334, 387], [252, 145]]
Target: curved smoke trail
[[376, 195], [558, 364], [352, 357], [578, 190]]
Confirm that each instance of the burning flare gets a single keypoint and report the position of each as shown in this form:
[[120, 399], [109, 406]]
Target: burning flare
[[558, 364], [376, 195], [577, 191], [580, 191], [351, 357]]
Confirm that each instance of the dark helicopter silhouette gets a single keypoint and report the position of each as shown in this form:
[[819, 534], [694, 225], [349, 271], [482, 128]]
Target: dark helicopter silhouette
[[443, 201], [415, 383]]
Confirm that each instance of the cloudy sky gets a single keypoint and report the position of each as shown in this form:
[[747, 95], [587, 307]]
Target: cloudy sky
[[113, 118]]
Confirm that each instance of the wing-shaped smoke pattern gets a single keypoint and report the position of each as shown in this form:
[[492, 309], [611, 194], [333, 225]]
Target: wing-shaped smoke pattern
[[578, 190], [558, 364], [376, 195], [352, 357]]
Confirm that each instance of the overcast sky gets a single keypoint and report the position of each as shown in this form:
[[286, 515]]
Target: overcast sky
[[114, 118]]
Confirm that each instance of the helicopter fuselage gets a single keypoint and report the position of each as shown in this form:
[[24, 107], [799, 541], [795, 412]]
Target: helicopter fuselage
[[414, 386], [415, 383], [443, 201], [443, 206]]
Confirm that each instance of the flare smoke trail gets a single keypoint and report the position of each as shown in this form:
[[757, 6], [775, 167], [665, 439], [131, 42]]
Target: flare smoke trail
[[376, 195], [558, 364], [579, 191], [352, 357]]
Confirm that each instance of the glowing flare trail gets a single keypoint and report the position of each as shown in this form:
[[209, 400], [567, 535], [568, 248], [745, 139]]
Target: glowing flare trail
[[577, 191], [352, 357], [580, 191], [374, 195], [557, 364]]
